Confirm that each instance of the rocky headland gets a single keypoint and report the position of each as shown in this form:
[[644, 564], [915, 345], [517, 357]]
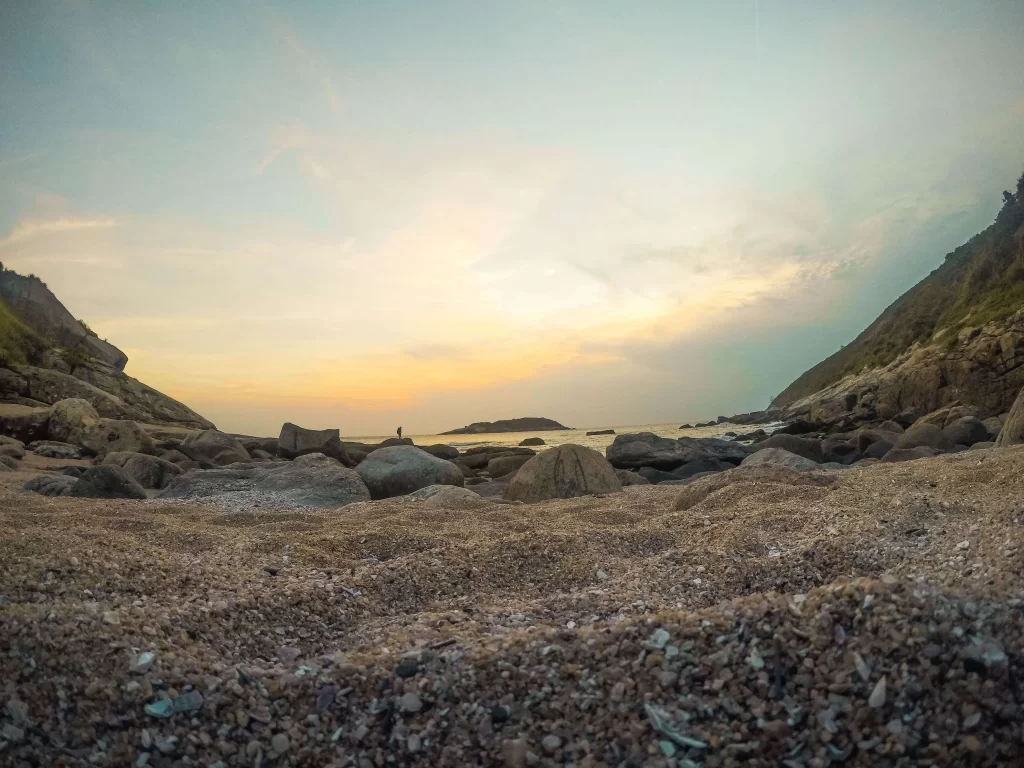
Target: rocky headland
[[526, 424]]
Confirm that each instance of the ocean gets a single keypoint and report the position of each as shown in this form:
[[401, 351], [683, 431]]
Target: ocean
[[560, 437]]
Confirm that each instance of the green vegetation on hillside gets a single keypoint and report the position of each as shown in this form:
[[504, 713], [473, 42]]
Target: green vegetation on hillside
[[981, 281], [19, 344]]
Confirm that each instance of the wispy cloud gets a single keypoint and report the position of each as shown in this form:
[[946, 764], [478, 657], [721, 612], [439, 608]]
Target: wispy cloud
[[31, 229]]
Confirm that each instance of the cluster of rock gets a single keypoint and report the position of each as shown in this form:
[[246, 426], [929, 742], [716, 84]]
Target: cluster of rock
[[801, 446], [301, 468]]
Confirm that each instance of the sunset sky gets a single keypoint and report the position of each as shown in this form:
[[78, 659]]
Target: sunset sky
[[366, 214]]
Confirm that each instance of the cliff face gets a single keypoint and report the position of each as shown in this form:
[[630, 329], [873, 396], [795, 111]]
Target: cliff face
[[956, 335], [32, 302], [46, 355]]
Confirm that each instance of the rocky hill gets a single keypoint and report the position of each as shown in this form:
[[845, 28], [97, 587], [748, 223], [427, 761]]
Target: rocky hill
[[526, 424], [955, 336], [46, 355]]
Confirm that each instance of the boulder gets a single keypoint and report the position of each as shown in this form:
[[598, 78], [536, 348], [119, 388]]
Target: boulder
[[891, 426], [70, 420], [111, 435], [1012, 431], [441, 451], [799, 427], [261, 455], [951, 413], [924, 434], [701, 466], [505, 465], [214, 447], [51, 485], [687, 426], [266, 444], [296, 441], [655, 476], [178, 458], [391, 442], [447, 496], [494, 450], [13, 449], [8, 461], [866, 437], [807, 447], [467, 473], [533, 441], [700, 448], [601, 432], [52, 449], [778, 457], [757, 434], [147, 471], [313, 481], [24, 422], [627, 477], [966, 430], [994, 425], [983, 445], [645, 449], [106, 482], [835, 450], [757, 477], [877, 449], [909, 454], [400, 470], [563, 472]]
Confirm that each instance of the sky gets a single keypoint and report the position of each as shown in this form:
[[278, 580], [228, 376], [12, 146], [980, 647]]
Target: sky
[[365, 214]]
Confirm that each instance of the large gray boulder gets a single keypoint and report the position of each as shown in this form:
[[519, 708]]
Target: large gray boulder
[[807, 447], [967, 430], [646, 449], [924, 434], [51, 485], [106, 482], [70, 420], [1012, 431], [777, 457], [561, 473], [296, 441], [704, 448], [401, 469], [313, 481], [214, 447], [111, 435], [506, 465], [147, 471]]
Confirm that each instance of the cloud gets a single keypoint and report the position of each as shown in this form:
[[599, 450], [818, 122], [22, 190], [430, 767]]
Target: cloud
[[31, 229]]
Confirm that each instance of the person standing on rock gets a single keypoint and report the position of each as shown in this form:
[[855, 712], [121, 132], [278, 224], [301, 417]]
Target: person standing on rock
[[399, 433]]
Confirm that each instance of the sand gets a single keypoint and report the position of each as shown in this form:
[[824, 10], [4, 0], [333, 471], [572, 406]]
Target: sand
[[755, 628]]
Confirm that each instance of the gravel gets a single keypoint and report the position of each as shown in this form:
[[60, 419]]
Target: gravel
[[833, 624]]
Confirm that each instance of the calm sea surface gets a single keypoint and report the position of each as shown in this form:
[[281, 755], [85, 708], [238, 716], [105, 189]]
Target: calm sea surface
[[560, 437]]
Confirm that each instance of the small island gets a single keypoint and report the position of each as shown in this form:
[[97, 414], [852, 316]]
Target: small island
[[526, 424]]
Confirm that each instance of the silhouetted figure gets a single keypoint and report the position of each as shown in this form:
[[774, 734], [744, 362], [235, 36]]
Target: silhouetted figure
[[399, 433]]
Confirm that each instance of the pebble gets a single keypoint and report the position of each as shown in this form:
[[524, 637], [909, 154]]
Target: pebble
[[143, 663], [279, 743], [410, 702], [551, 743], [408, 668], [877, 697]]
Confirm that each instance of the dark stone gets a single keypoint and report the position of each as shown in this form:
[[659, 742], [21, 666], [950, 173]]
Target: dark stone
[[807, 447], [701, 466], [877, 449], [408, 668], [655, 476], [106, 482]]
